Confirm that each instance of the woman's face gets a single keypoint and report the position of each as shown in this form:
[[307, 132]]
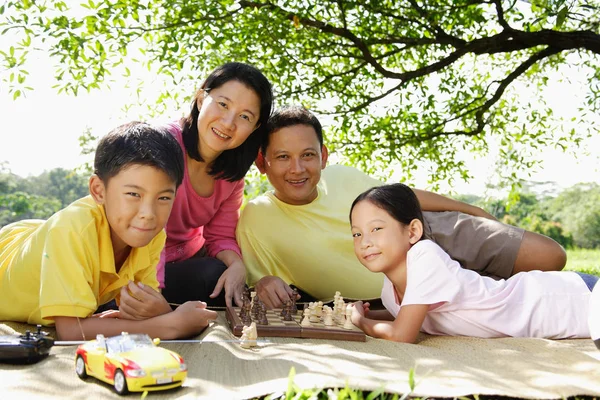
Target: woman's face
[[228, 115]]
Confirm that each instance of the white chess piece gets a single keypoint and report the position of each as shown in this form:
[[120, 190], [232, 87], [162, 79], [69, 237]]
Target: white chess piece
[[313, 315], [348, 324], [306, 319], [249, 336], [319, 309], [328, 319]]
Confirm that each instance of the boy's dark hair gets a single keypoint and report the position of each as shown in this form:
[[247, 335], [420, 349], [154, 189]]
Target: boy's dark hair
[[396, 199], [290, 116], [138, 143], [233, 164]]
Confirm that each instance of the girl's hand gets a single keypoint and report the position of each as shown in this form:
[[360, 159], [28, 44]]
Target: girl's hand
[[139, 301], [366, 308], [359, 309], [233, 280]]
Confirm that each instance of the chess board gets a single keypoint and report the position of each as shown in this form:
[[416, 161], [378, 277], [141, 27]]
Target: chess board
[[277, 327]]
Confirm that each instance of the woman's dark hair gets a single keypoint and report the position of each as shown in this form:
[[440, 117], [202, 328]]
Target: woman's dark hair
[[233, 164], [138, 143], [290, 116], [396, 199]]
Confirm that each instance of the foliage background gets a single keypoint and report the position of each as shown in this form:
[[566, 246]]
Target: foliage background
[[408, 84]]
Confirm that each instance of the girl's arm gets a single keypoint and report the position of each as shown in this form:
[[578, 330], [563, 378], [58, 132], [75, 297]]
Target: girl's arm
[[405, 328], [382, 315], [434, 202]]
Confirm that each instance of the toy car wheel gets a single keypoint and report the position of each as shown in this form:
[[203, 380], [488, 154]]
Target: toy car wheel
[[80, 367], [120, 382]]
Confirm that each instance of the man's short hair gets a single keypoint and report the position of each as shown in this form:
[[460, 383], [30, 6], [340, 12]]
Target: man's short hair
[[290, 116], [139, 143]]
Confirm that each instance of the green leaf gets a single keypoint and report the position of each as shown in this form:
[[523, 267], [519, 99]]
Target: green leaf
[[561, 16]]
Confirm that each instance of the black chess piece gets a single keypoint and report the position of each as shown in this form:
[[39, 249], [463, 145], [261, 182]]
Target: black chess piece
[[294, 309]]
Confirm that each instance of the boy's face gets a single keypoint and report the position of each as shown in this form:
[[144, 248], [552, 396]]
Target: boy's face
[[293, 163], [137, 201]]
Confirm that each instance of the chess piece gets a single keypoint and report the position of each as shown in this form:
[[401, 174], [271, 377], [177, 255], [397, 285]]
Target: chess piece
[[288, 315], [313, 316], [306, 319], [328, 318], [286, 305], [253, 302], [294, 297], [348, 323], [249, 336], [262, 314], [319, 309]]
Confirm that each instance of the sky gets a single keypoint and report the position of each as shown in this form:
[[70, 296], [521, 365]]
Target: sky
[[40, 132]]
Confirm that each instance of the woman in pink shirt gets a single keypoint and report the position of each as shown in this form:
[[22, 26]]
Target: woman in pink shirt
[[425, 290], [220, 138]]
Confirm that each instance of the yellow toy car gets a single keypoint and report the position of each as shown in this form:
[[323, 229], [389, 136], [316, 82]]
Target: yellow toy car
[[130, 363]]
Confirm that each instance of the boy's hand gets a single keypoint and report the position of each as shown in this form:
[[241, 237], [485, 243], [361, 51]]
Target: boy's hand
[[108, 314], [233, 280], [273, 291], [139, 301], [191, 318]]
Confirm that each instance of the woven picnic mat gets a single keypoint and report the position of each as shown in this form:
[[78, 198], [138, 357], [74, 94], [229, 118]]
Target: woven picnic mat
[[444, 367]]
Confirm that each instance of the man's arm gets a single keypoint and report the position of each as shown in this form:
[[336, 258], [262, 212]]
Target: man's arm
[[434, 202], [187, 320]]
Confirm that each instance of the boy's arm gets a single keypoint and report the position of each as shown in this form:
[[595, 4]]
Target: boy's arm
[[187, 320], [434, 202]]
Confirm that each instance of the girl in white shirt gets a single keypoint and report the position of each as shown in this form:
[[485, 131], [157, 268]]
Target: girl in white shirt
[[425, 290]]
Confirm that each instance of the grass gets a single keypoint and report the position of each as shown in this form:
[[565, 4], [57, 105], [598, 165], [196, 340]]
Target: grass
[[584, 260]]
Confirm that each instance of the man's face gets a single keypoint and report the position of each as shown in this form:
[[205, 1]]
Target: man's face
[[293, 164]]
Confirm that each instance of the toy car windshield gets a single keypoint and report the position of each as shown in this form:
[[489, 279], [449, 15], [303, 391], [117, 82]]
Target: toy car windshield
[[124, 343]]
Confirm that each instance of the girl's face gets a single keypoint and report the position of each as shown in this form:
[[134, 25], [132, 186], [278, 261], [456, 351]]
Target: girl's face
[[380, 241], [228, 115]]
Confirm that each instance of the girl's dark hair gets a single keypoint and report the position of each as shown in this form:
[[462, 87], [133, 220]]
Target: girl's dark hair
[[233, 164], [396, 199], [138, 143], [290, 116]]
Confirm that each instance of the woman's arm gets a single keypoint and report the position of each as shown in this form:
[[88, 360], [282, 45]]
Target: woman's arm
[[434, 202], [404, 329]]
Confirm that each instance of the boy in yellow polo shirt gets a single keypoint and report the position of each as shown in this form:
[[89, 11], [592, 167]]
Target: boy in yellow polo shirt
[[60, 270]]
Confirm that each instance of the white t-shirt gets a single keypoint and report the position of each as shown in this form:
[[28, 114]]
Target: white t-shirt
[[551, 305]]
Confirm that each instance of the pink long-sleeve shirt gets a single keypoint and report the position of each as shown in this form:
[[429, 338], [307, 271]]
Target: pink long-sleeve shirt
[[197, 221]]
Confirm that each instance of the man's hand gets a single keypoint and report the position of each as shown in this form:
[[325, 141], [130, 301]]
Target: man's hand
[[273, 291], [139, 301], [233, 280]]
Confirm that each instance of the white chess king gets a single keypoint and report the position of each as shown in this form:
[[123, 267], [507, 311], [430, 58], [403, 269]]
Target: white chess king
[[594, 315]]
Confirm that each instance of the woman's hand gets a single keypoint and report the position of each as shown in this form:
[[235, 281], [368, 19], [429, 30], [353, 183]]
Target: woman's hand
[[233, 280]]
